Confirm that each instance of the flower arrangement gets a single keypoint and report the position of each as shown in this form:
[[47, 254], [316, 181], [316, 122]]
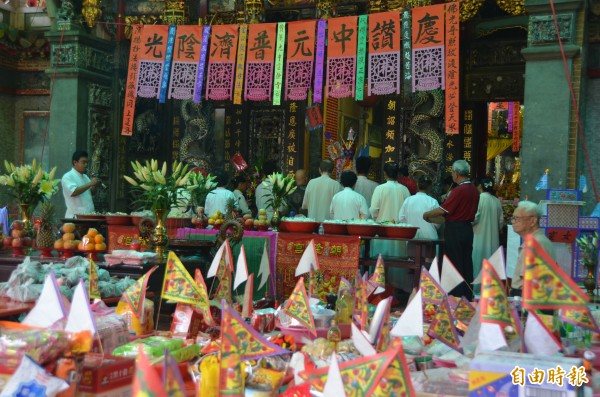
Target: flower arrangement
[[29, 183], [282, 186], [205, 185], [588, 247], [156, 189]]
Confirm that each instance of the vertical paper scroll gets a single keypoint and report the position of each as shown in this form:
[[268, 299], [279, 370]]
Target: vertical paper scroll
[[221, 64], [341, 56], [259, 61], [452, 69], [239, 67], [361, 57], [152, 57], [279, 64], [384, 53], [130, 88], [300, 58], [164, 83], [186, 55], [202, 64], [428, 48], [318, 86]]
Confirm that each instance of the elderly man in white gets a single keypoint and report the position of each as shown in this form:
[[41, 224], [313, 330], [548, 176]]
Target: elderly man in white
[[348, 204], [319, 192]]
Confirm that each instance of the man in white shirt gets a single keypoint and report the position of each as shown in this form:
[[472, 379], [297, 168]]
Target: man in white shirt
[[364, 186], [217, 200], [319, 192], [415, 206], [241, 185], [77, 187], [348, 204]]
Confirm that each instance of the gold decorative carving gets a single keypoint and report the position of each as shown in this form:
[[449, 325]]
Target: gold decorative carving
[[513, 7], [254, 11], [175, 13], [326, 8], [91, 11]]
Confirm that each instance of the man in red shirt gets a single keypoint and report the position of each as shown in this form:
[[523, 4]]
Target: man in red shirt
[[459, 211], [407, 180]]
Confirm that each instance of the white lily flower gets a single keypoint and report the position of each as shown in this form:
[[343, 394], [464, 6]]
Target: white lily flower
[[159, 178], [38, 177], [130, 180], [10, 182], [146, 187], [52, 173], [7, 166], [33, 164], [164, 169]]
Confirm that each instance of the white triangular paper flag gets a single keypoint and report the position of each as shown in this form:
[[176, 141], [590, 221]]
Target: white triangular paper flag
[[491, 337], [264, 271], [450, 276], [334, 386], [537, 338], [361, 342], [410, 322], [49, 308], [81, 317], [297, 364], [378, 317], [241, 269], [434, 270], [308, 261], [214, 266], [498, 263]]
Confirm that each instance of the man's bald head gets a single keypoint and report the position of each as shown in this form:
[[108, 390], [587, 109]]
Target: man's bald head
[[301, 177]]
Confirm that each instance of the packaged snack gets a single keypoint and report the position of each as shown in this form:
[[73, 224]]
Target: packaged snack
[[32, 380]]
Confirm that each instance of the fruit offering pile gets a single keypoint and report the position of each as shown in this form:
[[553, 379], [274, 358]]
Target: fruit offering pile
[[92, 241], [262, 220], [67, 242], [216, 219], [18, 236]]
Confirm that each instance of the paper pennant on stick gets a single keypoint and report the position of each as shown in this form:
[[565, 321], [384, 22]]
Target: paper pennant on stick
[[93, 291], [472, 333], [443, 328], [247, 305], [252, 345], [264, 270], [431, 290], [203, 308], [241, 270], [581, 317], [136, 294], [498, 263], [224, 289], [491, 337], [49, 307], [494, 304], [464, 311], [309, 260], [361, 376], [538, 339], [410, 322], [361, 341], [361, 308], [334, 385], [545, 284], [378, 277], [297, 306], [396, 375], [231, 380], [146, 381], [80, 317], [451, 278], [216, 262], [172, 379], [543, 182], [179, 286], [382, 338], [345, 285], [434, 270]]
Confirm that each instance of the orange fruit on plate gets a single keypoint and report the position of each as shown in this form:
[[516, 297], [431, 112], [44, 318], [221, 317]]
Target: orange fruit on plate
[[89, 247], [58, 244], [98, 238], [92, 232], [100, 247], [68, 237]]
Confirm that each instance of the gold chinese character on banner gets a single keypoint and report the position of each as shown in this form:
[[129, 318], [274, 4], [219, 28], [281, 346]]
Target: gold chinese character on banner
[[238, 112], [227, 120], [335, 250], [390, 134], [291, 161], [298, 248], [293, 107], [391, 105], [391, 120], [319, 248], [292, 134], [468, 142], [389, 149], [389, 160], [449, 144], [238, 132], [292, 121], [291, 148], [227, 133], [468, 115], [449, 169], [468, 129], [467, 155], [449, 157]]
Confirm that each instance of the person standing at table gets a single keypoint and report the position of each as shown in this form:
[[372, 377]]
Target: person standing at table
[[487, 224], [348, 204], [295, 199], [385, 207], [415, 206], [364, 186], [459, 211], [526, 221], [319, 192], [218, 199], [241, 185], [77, 187]]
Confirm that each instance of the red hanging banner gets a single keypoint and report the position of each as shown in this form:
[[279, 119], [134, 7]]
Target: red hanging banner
[[516, 133], [384, 53], [341, 56], [186, 56], [452, 68], [260, 61], [152, 57], [300, 58], [221, 63], [428, 48], [130, 88]]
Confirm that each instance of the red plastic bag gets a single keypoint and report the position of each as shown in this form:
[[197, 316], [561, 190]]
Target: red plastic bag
[[238, 162]]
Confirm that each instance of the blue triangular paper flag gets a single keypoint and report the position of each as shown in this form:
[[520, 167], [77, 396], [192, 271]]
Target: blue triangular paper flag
[[543, 182], [583, 184]]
